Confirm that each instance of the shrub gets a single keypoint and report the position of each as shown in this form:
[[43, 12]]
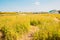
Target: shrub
[[34, 23]]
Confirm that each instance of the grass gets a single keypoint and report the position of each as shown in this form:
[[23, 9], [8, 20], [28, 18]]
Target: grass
[[14, 26]]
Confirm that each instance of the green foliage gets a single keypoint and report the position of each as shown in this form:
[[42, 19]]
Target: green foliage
[[34, 23]]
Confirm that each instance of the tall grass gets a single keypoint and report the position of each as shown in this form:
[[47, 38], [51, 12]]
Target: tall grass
[[14, 26]]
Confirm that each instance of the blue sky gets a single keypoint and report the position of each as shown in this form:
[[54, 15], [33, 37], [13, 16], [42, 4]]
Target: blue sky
[[29, 5]]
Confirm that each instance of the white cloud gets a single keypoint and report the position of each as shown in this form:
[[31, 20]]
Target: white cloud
[[37, 3]]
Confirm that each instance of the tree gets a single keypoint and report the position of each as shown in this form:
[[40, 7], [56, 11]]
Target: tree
[[59, 11]]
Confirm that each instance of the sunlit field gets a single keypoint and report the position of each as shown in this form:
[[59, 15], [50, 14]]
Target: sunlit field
[[20, 26]]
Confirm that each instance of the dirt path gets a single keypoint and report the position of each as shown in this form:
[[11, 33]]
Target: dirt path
[[29, 36]]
